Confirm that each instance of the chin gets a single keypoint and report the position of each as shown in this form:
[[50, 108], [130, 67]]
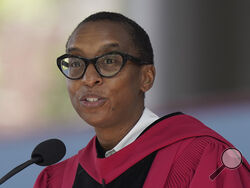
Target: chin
[[95, 120], [96, 117]]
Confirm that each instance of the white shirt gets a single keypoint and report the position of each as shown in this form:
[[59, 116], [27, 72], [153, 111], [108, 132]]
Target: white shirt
[[145, 120]]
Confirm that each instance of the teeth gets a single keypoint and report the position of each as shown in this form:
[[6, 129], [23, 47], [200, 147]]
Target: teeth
[[91, 99]]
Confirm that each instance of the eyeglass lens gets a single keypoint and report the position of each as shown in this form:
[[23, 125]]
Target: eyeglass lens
[[107, 65]]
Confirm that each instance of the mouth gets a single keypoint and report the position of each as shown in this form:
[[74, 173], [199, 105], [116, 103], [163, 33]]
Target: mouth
[[92, 101]]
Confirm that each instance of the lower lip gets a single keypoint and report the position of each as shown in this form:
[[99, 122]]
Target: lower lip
[[94, 104]]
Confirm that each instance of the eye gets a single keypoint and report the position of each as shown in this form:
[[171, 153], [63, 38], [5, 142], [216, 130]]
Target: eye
[[75, 64], [109, 61]]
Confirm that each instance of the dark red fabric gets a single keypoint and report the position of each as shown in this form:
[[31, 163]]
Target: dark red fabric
[[188, 153]]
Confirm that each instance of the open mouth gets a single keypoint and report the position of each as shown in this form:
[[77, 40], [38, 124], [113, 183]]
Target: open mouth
[[92, 101]]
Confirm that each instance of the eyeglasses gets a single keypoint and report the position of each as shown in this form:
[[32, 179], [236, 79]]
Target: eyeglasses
[[107, 65]]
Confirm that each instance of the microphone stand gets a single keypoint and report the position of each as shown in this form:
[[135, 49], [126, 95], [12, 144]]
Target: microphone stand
[[19, 168]]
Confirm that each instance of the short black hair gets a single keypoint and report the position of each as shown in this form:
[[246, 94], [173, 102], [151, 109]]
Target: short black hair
[[138, 35]]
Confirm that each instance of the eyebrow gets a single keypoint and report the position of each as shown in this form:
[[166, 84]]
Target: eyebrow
[[108, 46], [71, 49], [104, 48]]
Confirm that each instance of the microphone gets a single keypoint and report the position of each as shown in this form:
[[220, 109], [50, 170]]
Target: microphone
[[46, 153]]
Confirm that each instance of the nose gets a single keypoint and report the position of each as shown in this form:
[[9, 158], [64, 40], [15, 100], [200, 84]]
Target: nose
[[91, 77]]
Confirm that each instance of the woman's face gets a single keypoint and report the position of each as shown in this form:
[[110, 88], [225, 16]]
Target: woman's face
[[100, 101]]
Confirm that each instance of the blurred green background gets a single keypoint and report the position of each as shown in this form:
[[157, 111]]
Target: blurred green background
[[32, 35]]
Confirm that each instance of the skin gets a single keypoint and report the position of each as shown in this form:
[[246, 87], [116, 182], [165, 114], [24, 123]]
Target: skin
[[124, 101]]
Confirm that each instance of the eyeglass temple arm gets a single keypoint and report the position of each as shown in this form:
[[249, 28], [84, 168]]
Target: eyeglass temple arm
[[139, 61]]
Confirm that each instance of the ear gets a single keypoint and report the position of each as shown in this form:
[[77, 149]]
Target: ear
[[147, 77]]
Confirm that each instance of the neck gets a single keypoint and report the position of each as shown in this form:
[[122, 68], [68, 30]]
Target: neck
[[110, 136]]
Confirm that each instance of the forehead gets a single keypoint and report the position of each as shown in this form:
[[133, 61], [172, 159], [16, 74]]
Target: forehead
[[94, 38]]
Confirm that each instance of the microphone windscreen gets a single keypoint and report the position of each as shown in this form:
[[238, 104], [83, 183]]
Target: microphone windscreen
[[50, 151]]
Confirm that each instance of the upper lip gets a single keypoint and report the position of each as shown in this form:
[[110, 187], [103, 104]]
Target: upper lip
[[90, 95]]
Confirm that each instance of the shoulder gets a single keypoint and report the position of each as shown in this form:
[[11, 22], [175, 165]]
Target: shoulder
[[193, 149], [52, 175], [197, 160]]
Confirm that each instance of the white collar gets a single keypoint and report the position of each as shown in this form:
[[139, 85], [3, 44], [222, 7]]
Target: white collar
[[145, 120]]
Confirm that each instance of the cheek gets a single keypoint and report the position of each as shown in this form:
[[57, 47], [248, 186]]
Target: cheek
[[72, 90], [125, 92]]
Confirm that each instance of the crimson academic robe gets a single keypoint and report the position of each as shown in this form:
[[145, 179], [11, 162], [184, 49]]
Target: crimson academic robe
[[187, 153]]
